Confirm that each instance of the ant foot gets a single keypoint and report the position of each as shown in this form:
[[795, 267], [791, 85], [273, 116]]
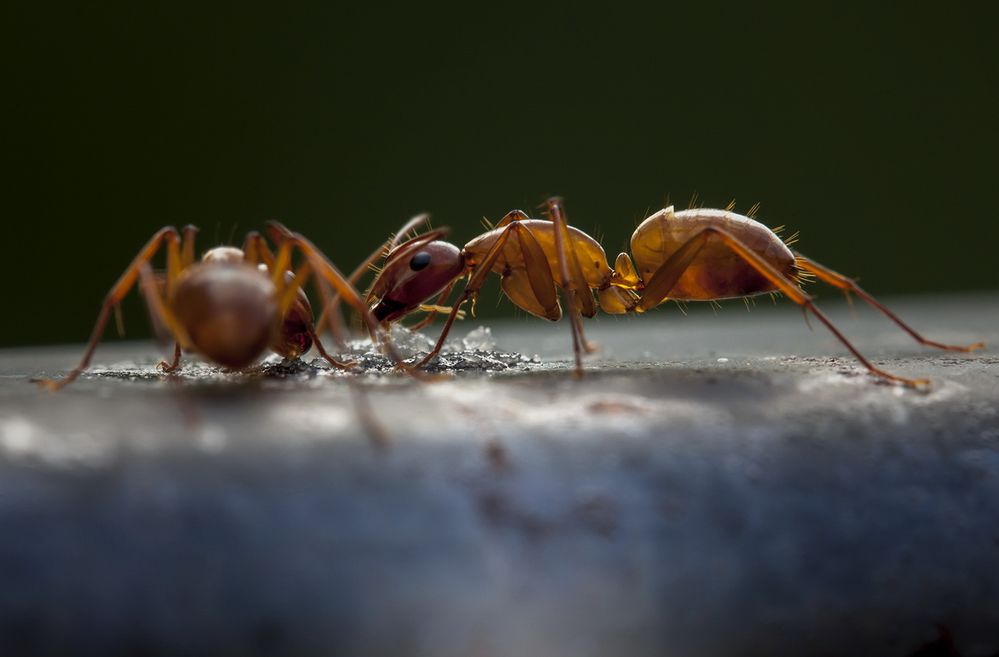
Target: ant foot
[[51, 385]]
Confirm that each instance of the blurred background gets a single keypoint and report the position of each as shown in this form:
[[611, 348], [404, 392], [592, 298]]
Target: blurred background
[[872, 130]]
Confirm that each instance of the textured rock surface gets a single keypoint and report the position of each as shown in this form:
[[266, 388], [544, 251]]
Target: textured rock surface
[[727, 485]]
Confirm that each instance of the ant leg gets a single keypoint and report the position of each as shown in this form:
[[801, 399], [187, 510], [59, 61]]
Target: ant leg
[[849, 285], [164, 321], [539, 278], [436, 308], [339, 364], [175, 363], [392, 242], [571, 270], [533, 287], [256, 251], [176, 262], [574, 284], [321, 265], [190, 233], [362, 404], [118, 292], [658, 287], [401, 251], [511, 217], [287, 294], [383, 251], [657, 290], [325, 274]]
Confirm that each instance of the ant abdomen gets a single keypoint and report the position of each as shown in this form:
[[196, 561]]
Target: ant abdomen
[[718, 272], [227, 311]]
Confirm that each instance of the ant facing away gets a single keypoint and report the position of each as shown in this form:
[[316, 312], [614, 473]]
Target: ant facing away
[[697, 254], [235, 304]]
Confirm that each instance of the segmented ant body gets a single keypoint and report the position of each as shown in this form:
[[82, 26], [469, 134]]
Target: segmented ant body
[[689, 255], [232, 306]]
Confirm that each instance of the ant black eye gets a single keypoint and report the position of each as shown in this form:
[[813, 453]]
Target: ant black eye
[[419, 261]]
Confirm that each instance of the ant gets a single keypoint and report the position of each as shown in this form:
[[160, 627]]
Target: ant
[[233, 305], [697, 254]]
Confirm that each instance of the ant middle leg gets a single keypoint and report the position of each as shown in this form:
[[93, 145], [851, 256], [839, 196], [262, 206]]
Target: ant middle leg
[[577, 291], [849, 285], [663, 280]]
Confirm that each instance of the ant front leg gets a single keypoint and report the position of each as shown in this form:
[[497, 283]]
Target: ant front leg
[[663, 280], [438, 307], [328, 273], [339, 364], [536, 294], [118, 292]]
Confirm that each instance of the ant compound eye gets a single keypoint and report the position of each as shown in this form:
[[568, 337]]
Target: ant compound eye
[[419, 261]]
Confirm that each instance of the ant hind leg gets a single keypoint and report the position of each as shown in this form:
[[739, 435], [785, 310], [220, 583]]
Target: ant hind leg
[[849, 285], [659, 286]]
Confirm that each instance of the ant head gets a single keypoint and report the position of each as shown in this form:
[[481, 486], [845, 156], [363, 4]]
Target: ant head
[[414, 272]]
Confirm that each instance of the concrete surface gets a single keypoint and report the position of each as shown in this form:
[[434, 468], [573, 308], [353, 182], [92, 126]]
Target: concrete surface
[[716, 485]]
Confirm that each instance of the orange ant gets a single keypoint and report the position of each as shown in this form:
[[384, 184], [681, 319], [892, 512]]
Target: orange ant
[[689, 255], [233, 305]]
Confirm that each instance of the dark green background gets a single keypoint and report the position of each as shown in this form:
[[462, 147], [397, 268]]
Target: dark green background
[[871, 129]]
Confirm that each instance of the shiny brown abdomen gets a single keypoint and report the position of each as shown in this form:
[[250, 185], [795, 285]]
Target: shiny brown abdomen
[[228, 311], [717, 272]]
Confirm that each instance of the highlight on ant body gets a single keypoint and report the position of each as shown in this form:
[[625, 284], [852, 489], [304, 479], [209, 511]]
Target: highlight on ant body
[[233, 305], [697, 254]]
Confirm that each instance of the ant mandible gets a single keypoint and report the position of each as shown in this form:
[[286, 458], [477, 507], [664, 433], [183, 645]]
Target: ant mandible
[[233, 305], [697, 254]]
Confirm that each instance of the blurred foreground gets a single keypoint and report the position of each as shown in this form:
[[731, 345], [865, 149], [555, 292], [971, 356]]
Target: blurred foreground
[[727, 485]]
